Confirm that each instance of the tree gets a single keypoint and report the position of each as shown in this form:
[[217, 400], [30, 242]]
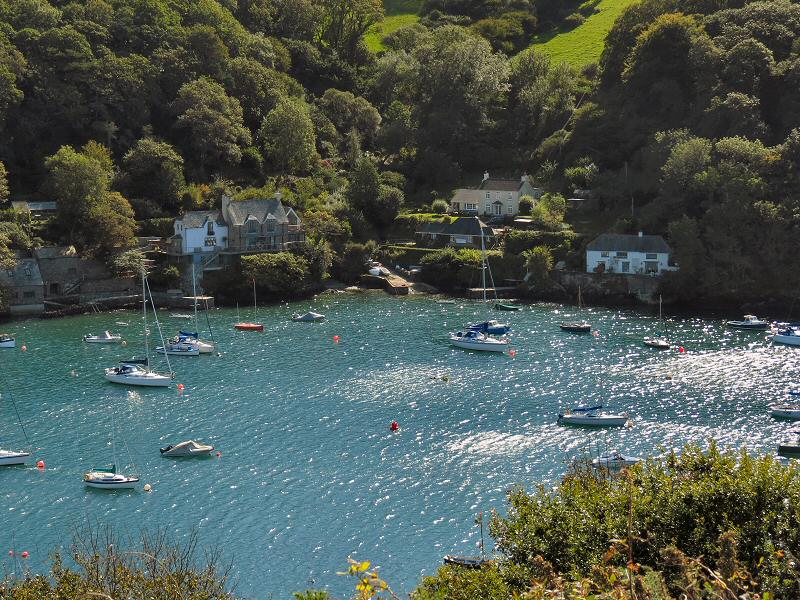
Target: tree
[[153, 170], [288, 138], [89, 214], [440, 206], [525, 205], [344, 22], [4, 191], [212, 122], [365, 187], [281, 274], [347, 111], [538, 264]]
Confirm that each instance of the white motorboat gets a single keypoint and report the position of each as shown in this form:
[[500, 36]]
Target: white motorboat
[[657, 343], [187, 448], [179, 316], [790, 448], [749, 322], [785, 411], [133, 373], [475, 340], [103, 338], [615, 460], [309, 317], [379, 271], [591, 416], [7, 341], [788, 335], [178, 347], [445, 302], [13, 457], [107, 478], [203, 347]]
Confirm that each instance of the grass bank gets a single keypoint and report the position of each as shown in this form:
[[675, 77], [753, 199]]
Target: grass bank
[[583, 44], [399, 13]]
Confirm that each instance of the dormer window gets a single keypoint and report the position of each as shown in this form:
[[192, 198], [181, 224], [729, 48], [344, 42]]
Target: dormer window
[[210, 228], [270, 225], [252, 226]]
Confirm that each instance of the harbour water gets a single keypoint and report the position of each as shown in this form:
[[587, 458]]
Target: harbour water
[[310, 473]]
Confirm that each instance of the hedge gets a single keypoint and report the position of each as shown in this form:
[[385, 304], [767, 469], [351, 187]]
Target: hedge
[[559, 241]]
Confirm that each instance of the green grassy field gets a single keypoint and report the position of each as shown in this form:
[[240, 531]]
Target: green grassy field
[[399, 13], [584, 44]]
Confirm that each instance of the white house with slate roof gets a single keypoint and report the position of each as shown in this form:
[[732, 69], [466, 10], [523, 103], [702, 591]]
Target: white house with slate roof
[[200, 231], [628, 254], [494, 197]]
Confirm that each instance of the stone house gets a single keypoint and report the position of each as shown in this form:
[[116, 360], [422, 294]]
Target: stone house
[[463, 232], [494, 197], [24, 287]]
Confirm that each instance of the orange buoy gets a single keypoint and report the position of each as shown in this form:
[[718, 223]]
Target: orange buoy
[[394, 426], [40, 465]]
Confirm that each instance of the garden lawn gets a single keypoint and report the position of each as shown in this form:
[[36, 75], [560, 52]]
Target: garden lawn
[[583, 44]]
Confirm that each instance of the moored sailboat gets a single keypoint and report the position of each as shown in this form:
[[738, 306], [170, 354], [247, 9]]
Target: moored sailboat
[[659, 343], [250, 325], [581, 326]]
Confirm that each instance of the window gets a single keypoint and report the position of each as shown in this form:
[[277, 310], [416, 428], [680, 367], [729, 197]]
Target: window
[[510, 196], [488, 195], [510, 209], [469, 206], [651, 256], [626, 267], [488, 208], [270, 225], [210, 230], [252, 226], [604, 255], [621, 255], [497, 195]]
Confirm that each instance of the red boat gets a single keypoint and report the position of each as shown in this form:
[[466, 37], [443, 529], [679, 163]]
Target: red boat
[[249, 326]]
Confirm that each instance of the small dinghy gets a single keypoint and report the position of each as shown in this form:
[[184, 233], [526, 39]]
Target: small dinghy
[[7, 341], [468, 562], [749, 322], [615, 461], [787, 334], [591, 416], [103, 338], [187, 448], [475, 340], [179, 316], [445, 302], [506, 307], [309, 317], [13, 457], [576, 327], [790, 448], [790, 412], [491, 327], [107, 478]]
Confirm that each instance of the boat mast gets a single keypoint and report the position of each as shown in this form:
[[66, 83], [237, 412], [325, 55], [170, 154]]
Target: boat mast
[[144, 320], [194, 294], [483, 261], [255, 308]]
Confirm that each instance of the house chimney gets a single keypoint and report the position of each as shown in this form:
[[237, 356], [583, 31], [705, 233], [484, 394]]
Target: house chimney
[[226, 202], [278, 196], [486, 175], [641, 234], [524, 179]]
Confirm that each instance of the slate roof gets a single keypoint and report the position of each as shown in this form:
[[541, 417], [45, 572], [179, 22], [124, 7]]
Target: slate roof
[[461, 226], [611, 242], [197, 218], [24, 274], [241, 210], [500, 185]]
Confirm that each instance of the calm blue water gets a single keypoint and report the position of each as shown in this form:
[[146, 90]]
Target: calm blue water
[[309, 472]]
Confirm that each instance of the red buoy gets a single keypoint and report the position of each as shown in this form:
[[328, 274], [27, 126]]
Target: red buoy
[[24, 348], [40, 465], [512, 353], [394, 426], [681, 349], [181, 387], [219, 453], [25, 554], [11, 553], [336, 339]]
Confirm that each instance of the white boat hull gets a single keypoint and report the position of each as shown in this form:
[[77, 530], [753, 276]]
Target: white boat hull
[[483, 346], [657, 343], [587, 421], [193, 351], [9, 458], [785, 412], [204, 347], [99, 340], [102, 481], [615, 462], [143, 379], [12, 343]]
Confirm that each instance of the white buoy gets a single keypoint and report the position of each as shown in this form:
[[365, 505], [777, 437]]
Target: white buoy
[[148, 487]]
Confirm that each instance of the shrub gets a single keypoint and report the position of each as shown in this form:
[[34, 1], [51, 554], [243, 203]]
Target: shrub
[[351, 263], [166, 277], [538, 264], [525, 206], [573, 20], [560, 242], [158, 227], [440, 207], [279, 274]]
